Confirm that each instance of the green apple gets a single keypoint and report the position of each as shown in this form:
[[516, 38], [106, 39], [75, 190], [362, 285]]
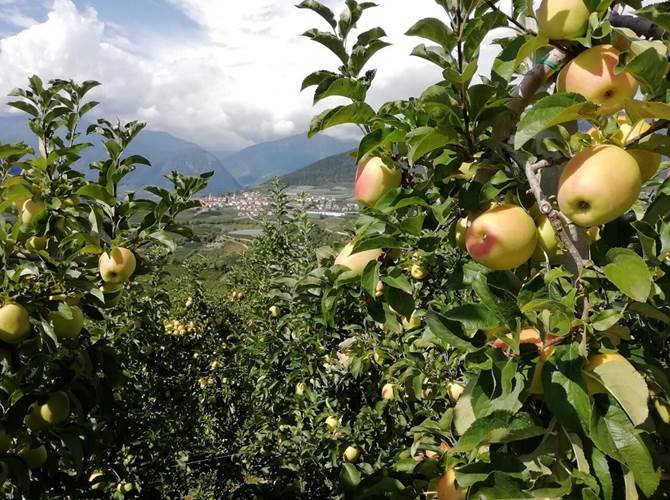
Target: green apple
[[65, 327], [502, 238], [351, 454], [373, 180], [356, 262], [547, 240], [593, 74], [34, 456], [14, 323], [563, 19], [332, 422], [117, 266], [56, 409], [32, 211], [388, 391], [599, 185], [37, 243]]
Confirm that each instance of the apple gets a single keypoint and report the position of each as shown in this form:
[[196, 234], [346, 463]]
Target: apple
[[592, 74], [351, 454], [274, 311], [562, 19], [18, 202], [373, 180], [388, 391], [117, 266], [663, 410], [332, 422], [526, 336], [96, 479], [112, 299], [418, 272], [460, 230], [594, 362], [379, 289], [599, 185], [648, 161], [37, 243], [411, 323], [447, 488], [356, 262], [32, 211], [56, 409], [300, 389], [502, 238], [34, 457], [547, 240], [65, 327], [14, 323], [455, 391]]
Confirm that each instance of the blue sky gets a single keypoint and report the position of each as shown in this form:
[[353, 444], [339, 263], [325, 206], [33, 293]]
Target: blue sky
[[221, 73]]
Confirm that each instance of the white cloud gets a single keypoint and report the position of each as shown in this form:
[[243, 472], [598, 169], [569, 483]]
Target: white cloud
[[235, 83]]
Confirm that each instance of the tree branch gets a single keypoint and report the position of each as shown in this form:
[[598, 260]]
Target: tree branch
[[527, 88], [639, 25]]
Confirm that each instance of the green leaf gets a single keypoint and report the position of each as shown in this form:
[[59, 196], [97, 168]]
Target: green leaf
[[601, 470], [629, 273], [564, 388], [342, 87], [320, 9], [434, 30], [473, 316], [627, 386], [360, 55], [316, 78], [549, 111], [498, 427], [329, 41], [649, 68], [97, 192], [614, 434], [449, 332], [424, 140], [358, 113], [400, 301], [529, 47]]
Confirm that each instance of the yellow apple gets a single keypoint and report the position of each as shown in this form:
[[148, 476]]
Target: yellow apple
[[648, 161], [32, 211], [18, 202], [562, 19], [455, 391], [34, 457], [547, 240], [502, 238], [356, 262], [388, 391], [663, 410], [411, 323], [351, 454], [300, 389], [14, 323], [274, 311], [37, 243], [418, 272], [117, 266], [599, 185], [65, 327], [592, 74], [447, 488], [373, 180], [460, 230], [379, 289], [332, 422], [56, 409], [594, 362]]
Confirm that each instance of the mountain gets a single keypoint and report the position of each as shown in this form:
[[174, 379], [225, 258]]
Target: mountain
[[261, 162], [165, 151], [338, 169]]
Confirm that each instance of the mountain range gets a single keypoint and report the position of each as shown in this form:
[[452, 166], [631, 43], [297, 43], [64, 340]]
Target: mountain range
[[233, 170], [339, 169]]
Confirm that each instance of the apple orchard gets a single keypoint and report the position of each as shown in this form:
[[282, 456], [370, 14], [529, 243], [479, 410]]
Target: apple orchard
[[497, 326]]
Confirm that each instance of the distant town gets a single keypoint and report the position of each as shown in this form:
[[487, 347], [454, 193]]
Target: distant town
[[255, 203]]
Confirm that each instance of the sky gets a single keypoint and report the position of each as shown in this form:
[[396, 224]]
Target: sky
[[224, 74]]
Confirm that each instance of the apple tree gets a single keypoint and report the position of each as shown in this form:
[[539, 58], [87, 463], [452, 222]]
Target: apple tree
[[516, 222], [71, 242]]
